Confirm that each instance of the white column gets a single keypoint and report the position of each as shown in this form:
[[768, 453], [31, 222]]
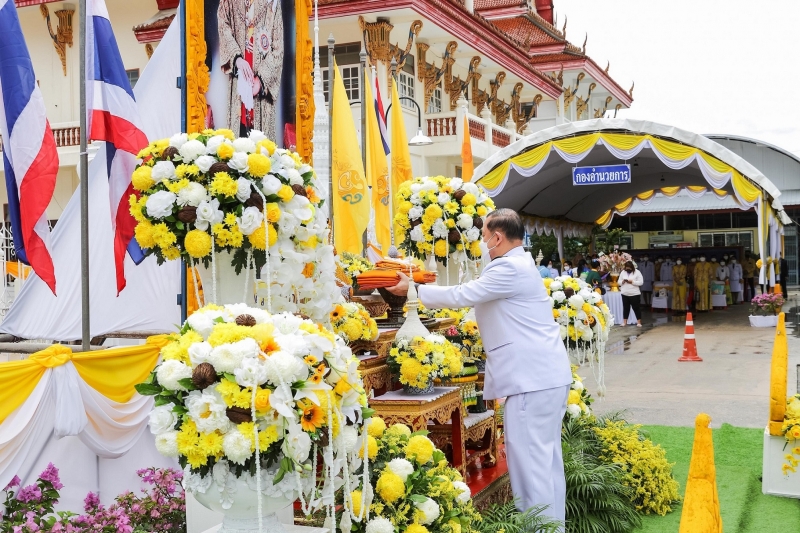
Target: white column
[[322, 145]]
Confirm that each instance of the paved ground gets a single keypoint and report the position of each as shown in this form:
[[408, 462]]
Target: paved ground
[[644, 378]]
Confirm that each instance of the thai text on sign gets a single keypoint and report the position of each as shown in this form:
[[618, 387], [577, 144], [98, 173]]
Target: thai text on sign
[[601, 175]]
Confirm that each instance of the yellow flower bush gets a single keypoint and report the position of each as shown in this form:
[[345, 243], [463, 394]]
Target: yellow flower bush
[[647, 472], [353, 323], [417, 362]]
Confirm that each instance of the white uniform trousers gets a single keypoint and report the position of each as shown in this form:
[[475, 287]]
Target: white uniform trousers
[[533, 449]]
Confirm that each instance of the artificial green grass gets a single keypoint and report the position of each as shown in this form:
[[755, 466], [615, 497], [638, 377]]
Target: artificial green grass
[[737, 456]]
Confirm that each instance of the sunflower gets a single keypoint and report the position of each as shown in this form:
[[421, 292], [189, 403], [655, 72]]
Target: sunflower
[[312, 418], [321, 369], [316, 379], [310, 360], [338, 312]]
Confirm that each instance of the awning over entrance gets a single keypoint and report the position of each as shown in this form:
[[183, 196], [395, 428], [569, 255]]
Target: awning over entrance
[[528, 177]]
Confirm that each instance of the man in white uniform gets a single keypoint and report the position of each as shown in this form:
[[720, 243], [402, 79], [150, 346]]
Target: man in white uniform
[[526, 359], [648, 271], [666, 270], [736, 280]]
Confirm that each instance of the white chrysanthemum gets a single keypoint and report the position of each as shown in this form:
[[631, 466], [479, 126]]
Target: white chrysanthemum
[[191, 150], [203, 321], [208, 213], [348, 438], [169, 372], [163, 170], [416, 234], [251, 373], [229, 357], [415, 199], [207, 410], [415, 188], [471, 188], [244, 144], [380, 524], [236, 447], [200, 352], [577, 385], [415, 212], [239, 162], [292, 175], [250, 220], [178, 140], [204, 162], [443, 198], [243, 189], [298, 442], [430, 509], [283, 367], [162, 419], [574, 410], [576, 301], [464, 221], [556, 285], [167, 443], [473, 234], [193, 194], [213, 143], [401, 467], [160, 204], [456, 183], [586, 334], [256, 136], [465, 495], [439, 229], [558, 296], [585, 293]]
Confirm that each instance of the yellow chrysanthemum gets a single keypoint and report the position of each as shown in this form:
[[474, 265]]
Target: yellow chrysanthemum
[[187, 171], [228, 134], [225, 151], [273, 212], [162, 236], [372, 448], [399, 430], [441, 248], [171, 253], [468, 209], [136, 207], [469, 199], [390, 487], [197, 243], [223, 184], [228, 332], [176, 185], [420, 449], [376, 427], [574, 397], [144, 234], [285, 193], [210, 443], [475, 248], [142, 178], [416, 528], [259, 165], [257, 238], [481, 211], [433, 212], [410, 372], [267, 145]]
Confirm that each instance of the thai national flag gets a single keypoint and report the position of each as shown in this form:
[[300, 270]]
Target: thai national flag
[[381, 116], [30, 157], [112, 116]]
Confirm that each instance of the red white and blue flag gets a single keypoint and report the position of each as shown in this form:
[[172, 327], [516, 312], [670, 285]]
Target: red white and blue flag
[[30, 156], [113, 117], [381, 115]]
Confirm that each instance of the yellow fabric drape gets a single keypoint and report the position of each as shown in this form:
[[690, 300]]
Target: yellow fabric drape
[[646, 195], [401, 157], [625, 205], [467, 166], [113, 372], [745, 188], [197, 77], [670, 191], [303, 67], [577, 145], [377, 172], [192, 304], [350, 202], [16, 269]]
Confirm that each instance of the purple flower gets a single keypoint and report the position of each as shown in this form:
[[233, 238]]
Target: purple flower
[[28, 494], [92, 501], [15, 481], [51, 474]]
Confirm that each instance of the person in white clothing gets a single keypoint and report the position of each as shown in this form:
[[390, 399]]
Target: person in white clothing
[[648, 271], [630, 281], [526, 360], [736, 280], [666, 270], [553, 271]]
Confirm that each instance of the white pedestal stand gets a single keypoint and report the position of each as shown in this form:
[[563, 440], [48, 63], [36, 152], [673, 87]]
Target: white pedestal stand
[[199, 519], [773, 481]]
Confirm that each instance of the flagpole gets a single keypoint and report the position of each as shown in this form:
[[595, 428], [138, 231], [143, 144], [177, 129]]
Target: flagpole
[[84, 178], [183, 297]]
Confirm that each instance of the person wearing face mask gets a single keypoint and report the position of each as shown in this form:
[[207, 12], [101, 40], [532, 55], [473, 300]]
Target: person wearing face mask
[[736, 280], [679, 286], [690, 287], [526, 360], [568, 270], [749, 270], [648, 272], [724, 275], [666, 270], [657, 266], [630, 280], [702, 278], [553, 271]]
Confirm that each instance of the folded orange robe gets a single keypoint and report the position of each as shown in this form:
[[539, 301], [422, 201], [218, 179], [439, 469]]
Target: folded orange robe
[[376, 279]]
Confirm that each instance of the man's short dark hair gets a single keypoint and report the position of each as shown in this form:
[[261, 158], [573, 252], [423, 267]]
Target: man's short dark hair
[[507, 222]]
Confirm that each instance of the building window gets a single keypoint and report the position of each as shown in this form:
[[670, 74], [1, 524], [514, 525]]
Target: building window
[[727, 238], [435, 102], [681, 222], [133, 76], [714, 220], [647, 223], [405, 87], [351, 79]]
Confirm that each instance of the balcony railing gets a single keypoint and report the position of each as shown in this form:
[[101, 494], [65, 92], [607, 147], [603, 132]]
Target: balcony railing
[[64, 136]]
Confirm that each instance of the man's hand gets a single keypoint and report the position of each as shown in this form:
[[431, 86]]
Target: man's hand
[[401, 289], [256, 85], [245, 70]]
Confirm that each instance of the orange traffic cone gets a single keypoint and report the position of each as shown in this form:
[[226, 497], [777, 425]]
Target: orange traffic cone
[[689, 345]]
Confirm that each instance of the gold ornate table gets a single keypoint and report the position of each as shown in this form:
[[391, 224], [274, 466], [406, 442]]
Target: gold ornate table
[[416, 411], [375, 374], [480, 438]]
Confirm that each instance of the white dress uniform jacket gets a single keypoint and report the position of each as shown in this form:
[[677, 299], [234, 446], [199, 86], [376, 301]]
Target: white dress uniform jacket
[[648, 271], [666, 271], [736, 277], [524, 350]]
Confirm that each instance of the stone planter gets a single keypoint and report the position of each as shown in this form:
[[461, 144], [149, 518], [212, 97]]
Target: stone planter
[[242, 515], [763, 321]]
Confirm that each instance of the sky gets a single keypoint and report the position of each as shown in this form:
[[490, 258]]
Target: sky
[[708, 66]]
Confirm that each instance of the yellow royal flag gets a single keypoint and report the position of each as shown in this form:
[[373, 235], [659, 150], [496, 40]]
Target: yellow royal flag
[[467, 168], [377, 172], [350, 202], [401, 158]]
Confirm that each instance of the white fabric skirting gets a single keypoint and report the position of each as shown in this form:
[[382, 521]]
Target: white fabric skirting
[[614, 302]]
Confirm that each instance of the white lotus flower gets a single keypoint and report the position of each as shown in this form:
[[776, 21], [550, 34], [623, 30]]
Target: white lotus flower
[[193, 194], [160, 204], [298, 442], [415, 212], [207, 410], [191, 150], [443, 198], [178, 140], [163, 170], [162, 419], [576, 301], [229, 357], [170, 372], [464, 221], [208, 213], [244, 144]]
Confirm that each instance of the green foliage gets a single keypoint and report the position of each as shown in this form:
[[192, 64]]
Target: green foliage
[[597, 499], [508, 519]]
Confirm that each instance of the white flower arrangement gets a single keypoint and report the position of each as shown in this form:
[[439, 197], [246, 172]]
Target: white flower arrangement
[[240, 390]]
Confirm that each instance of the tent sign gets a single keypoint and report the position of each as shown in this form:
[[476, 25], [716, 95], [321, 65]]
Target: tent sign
[[601, 175]]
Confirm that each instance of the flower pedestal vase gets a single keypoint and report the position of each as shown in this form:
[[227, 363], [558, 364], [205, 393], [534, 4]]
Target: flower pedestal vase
[[242, 515], [614, 285], [447, 275], [417, 391], [769, 321], [230, 287]]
